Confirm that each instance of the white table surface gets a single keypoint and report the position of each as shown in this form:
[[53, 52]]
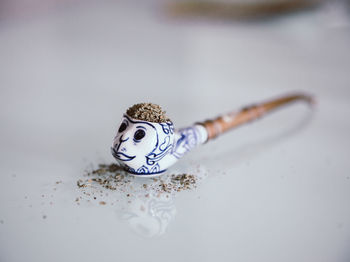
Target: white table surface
[[275, 190]]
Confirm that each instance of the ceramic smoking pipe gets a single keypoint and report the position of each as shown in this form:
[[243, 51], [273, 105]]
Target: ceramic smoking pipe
[[148, 148]]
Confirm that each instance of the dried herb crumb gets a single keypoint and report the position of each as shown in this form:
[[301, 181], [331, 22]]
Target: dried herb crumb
[[148, 112], [113, 177]]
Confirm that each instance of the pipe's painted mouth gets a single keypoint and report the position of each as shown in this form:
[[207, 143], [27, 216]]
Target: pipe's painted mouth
[[121, 156]]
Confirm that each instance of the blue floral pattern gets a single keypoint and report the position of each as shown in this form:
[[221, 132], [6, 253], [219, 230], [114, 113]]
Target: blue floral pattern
[[168, 147]]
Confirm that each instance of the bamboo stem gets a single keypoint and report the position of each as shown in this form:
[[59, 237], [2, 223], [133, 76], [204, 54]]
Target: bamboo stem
[[223, 123]]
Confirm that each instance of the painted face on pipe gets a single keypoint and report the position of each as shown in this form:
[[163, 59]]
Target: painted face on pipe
[[134, 141]]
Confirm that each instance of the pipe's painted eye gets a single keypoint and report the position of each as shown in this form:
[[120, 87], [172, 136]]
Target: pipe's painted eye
[[139, 134], [122, 127]]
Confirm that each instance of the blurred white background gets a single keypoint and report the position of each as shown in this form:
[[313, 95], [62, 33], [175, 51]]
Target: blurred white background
[[277, 189]]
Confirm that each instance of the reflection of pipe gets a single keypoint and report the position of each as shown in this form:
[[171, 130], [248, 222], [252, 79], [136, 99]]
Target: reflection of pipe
[[149, 209], [149, 215]]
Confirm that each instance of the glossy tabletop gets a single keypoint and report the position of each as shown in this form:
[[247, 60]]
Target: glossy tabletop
[[277, 189]]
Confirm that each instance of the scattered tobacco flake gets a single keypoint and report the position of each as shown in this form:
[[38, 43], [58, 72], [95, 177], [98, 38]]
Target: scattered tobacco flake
[[79, 183], [102, 203], [108, 178]]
